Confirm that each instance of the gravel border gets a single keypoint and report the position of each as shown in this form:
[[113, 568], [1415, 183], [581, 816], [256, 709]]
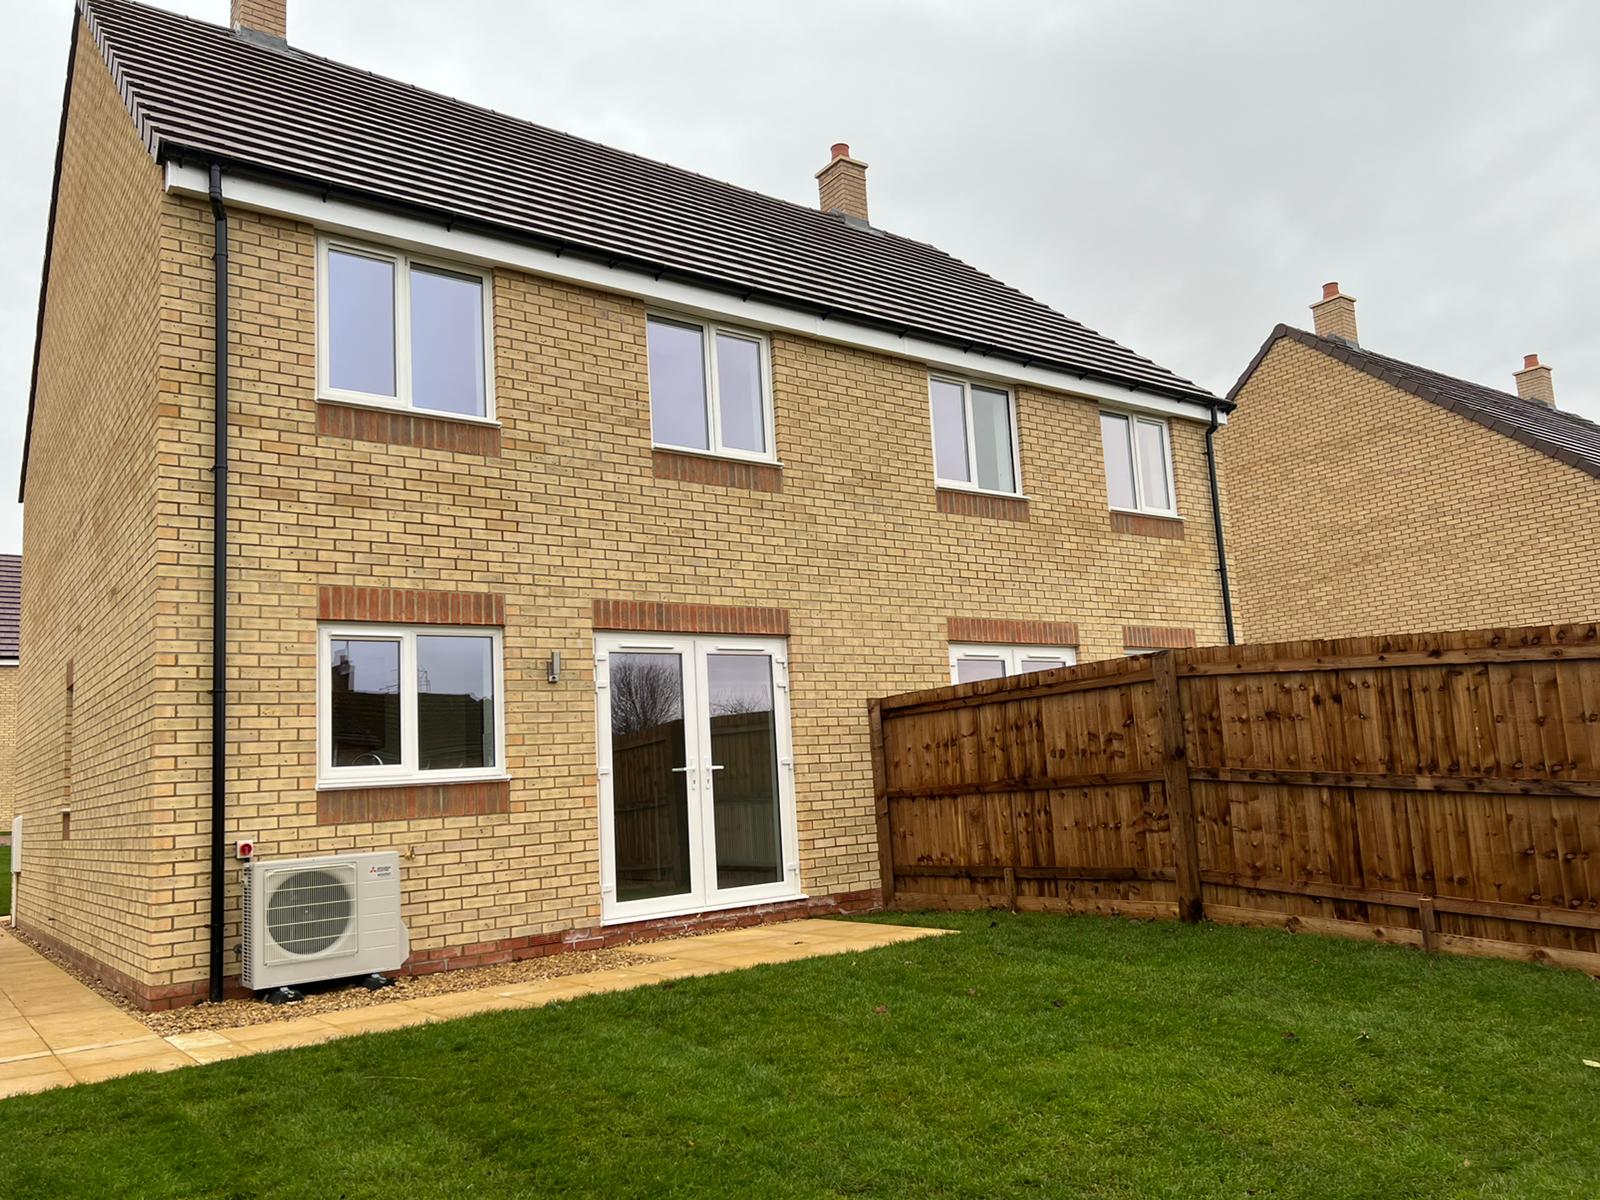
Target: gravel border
[[234, 1014]]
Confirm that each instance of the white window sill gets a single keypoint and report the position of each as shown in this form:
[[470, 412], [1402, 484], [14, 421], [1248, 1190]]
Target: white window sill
[[407, 410], [945, 485], [427, 779], [718, 455], [1146, 512]]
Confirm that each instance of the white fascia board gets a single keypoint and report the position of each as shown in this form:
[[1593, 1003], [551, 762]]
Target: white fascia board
[[359, 221]]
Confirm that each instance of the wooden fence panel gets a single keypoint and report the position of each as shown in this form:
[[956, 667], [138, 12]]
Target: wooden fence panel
[[1431, 789]]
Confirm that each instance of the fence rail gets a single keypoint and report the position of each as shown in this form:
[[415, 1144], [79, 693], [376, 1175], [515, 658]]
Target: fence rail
[[1441, 790]]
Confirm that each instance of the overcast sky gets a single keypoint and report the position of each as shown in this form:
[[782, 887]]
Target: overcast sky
[[1180, 176]]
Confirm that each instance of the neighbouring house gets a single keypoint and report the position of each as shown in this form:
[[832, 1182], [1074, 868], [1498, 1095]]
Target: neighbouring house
[[10, 657], [576, 506], [1385, 497]]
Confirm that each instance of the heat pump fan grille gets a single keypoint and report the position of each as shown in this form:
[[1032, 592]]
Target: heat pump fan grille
[[310, 911]]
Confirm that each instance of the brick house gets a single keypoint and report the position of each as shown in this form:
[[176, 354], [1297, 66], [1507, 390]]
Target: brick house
[[1385, 497], [10, 657], [553, 476]]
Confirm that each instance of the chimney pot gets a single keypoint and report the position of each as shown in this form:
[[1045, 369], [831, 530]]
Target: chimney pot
[[842, 184], [1534, 382], [268, 18], [1334, 316]]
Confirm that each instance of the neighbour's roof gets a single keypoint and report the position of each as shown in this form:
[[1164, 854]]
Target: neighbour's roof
[[1563, 436], [10, 606], [199, 91]]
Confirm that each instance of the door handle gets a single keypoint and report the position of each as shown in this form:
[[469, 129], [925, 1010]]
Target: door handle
[[713, 766]]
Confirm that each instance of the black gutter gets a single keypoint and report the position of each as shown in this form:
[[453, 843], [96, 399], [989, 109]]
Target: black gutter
[[1216, 527], [219, 584]]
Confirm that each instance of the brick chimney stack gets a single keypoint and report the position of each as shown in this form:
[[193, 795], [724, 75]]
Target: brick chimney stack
[[842, 184], [269, 18], [1533, 381], [1335, 315]]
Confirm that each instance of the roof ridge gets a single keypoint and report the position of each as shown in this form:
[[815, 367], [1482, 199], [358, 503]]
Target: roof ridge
[[346, 128], [1538, 406], [406, 85], [810, 213]]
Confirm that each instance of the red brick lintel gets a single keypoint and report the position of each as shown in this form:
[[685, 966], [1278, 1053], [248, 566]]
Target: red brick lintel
[[647, 616], [409, 606], [720, 472], [980, 504], [1156, 637], [406, 428], [1007, 632], [1143, 525], [357, 805]]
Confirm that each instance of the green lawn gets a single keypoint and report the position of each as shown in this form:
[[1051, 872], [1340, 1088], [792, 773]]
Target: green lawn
[[5, 880], [1029, 1056]]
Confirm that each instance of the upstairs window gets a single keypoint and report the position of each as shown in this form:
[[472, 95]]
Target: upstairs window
[[974, 436], [708, 389], [1138, 454], [969, 662], [402, 332]]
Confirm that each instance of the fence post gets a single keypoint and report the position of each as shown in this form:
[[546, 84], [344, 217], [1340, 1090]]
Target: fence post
[[1175, 781], [1428, 920], [880, 794]]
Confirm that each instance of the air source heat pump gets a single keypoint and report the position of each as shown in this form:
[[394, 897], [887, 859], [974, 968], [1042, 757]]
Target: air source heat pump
[[309, 919]]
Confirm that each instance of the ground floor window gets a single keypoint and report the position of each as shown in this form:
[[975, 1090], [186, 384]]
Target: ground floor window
[[970, 662], [696, 773], [404, 703]]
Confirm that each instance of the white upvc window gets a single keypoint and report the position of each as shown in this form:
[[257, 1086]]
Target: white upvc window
[[398, 331], [710, 389], [970, 662], [1138, 452], [974, 436], [409, 704]]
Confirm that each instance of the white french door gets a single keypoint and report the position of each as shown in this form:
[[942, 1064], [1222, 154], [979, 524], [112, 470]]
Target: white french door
[[696, 774]]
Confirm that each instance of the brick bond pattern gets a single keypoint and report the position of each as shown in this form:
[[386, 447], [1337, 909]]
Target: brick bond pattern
[[1372, 509], [8, 747], [572, 511]]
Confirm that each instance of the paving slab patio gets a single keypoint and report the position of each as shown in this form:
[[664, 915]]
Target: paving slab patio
[[55, 1032]]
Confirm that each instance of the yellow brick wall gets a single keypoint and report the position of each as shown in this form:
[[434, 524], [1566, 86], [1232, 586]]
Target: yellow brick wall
[[1361, 509], [8, 748], [853, 547], [90, 545]]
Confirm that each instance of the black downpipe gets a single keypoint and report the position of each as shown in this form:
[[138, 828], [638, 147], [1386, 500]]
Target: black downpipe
[[219, 587], [1216, 526]]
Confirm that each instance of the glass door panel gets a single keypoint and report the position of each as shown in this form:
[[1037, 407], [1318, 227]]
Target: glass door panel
[[696, 790], [650, 776], [743, 768]]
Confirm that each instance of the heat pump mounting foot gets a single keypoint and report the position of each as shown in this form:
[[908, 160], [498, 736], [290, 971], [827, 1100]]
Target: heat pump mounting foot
[[376, 983], [283, 995]]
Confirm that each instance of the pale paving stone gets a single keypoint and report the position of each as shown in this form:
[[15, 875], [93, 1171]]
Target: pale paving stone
[[77, 1037]]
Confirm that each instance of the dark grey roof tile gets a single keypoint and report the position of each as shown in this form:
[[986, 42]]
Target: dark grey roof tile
[[1563, 436], [197, 90]]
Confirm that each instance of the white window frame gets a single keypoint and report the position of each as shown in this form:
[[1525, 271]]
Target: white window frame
[[704, 894], [402, 263], [1134, 421], [1008, 654], [407, 770], [966, 385], [709, 332]]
